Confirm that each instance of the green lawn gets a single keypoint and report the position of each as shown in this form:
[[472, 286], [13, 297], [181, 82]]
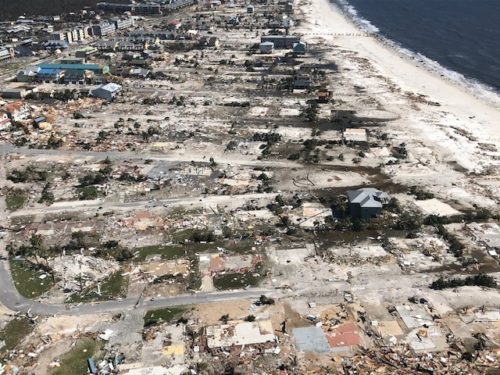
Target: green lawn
[[236, 280], [115, 286], [163, 315], [15, 199], [87, 193], [167, 252], [26, 277], [14, 332], [74, 362]]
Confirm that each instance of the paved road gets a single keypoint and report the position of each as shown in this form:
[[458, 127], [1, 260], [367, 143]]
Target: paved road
[[7, 148], [75, 206], [10, 298]]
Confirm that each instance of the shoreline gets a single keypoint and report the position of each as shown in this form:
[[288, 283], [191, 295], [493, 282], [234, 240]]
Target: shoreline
[[324, 17], [473, 86]]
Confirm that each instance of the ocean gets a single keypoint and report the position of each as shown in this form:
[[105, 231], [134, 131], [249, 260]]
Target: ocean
[[459, 38]]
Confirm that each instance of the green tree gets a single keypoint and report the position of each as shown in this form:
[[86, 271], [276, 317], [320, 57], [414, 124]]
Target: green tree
[[47, 195]]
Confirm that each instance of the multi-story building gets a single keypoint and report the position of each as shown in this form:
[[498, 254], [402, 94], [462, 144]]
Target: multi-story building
[[103, 29], [58, 35], [6, 53], [124, 23], [50, 75]]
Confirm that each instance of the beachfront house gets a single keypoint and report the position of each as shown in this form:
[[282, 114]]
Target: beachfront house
[[299, 48], [281, 41], [366, 203]]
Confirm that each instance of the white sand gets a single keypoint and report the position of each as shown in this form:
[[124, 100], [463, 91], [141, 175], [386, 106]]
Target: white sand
[[325, 18], [463, 130]]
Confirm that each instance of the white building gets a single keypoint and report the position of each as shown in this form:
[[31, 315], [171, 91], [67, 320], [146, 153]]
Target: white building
[[107, 92]]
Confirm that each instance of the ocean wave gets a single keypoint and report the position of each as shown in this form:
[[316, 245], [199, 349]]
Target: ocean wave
[[474, 86], [363, 23]]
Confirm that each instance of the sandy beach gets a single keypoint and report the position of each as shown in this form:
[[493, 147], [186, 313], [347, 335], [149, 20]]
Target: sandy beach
[[444, 123]]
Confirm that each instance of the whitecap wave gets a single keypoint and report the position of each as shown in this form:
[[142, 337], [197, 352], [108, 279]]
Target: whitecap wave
[[363, 23], [477, 88]]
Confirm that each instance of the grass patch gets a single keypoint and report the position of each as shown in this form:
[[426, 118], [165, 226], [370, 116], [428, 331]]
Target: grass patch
[[115, 286], [166, 252], [236, 280], [163, 315], [26, 277], [240, 247], [87, 193], [14, 332], [15, 199], [75, 361], [178, 212], [183, 235]]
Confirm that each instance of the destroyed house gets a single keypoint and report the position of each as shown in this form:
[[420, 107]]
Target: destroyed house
[[4, 120], [324, 96], [240, 334], [366, 203], [208, 41], [17, 110]]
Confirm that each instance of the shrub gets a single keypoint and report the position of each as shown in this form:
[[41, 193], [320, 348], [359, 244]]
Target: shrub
[[250, 318], [476, 280]]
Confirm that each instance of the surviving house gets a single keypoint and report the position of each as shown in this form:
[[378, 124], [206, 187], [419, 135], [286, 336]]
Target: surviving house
[[53, 45], [366, 203], [78, 76], [94, 68], [86, 52], [50, 75], [299, 48], [281, 41], [107, 92], [139, 73], [266, 47], [301, 83], [27, 74]]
